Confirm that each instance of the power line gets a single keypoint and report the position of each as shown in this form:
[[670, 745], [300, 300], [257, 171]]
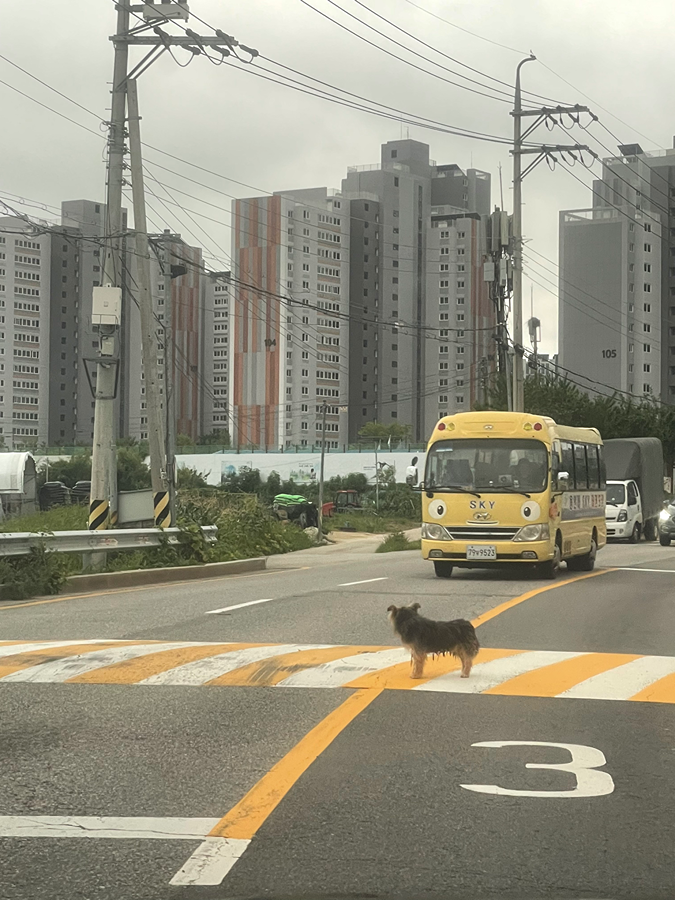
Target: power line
[[451, 58], [393, 55], [466, 30]]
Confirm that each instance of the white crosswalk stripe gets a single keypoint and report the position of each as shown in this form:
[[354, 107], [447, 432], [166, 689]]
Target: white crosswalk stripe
[[624, 681], [490, 674], [202, 670], [62, 669], [34, 647], [348, 668]]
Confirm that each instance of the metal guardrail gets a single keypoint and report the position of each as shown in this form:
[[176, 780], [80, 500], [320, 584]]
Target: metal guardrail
[[21, 543]]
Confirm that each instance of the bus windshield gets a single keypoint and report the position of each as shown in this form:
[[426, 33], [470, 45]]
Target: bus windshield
[[487, 464]]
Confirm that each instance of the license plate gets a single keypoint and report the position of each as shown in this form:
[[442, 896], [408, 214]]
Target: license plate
[[481, 551]]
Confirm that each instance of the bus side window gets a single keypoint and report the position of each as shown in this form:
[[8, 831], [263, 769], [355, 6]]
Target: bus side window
[[567, 464], [580, 472], [593, 467], [603, 471]]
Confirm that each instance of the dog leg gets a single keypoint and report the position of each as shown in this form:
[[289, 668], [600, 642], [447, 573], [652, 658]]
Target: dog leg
[[418, 659], [467, 663]]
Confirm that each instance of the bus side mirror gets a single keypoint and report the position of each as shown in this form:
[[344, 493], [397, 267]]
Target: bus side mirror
[[563, 481]]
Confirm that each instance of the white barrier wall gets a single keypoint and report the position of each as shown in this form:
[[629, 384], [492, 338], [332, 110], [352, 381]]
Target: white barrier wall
[[301, 467]]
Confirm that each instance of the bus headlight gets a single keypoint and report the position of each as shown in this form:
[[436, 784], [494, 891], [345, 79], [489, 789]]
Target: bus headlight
[[433, 532], [533, 533], [664, 515]]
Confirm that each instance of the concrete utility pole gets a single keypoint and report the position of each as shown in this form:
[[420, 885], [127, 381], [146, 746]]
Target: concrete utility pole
[[518, 375], [149, 323], [324, 410], [103, 479], [169, 391], [542, 151]]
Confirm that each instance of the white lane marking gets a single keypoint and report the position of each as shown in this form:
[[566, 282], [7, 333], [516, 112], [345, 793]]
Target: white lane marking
[[62, 669], [623, 681], [7, 650], [342, 671], [202, 670], [211, 861], [490, 674], [638, 569], [365, 581], [137, 827], [212, 612]]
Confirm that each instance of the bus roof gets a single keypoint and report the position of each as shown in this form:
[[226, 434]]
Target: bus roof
[[495, 423]]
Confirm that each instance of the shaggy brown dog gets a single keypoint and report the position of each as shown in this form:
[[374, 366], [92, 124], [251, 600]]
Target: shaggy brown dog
[[423, 636]]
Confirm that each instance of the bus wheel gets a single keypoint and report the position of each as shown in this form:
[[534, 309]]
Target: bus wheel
[[635, 535], [585, 563], [551, 568], [443, 569]]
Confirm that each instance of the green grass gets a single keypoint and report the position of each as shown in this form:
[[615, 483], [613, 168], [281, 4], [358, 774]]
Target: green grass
[[397, 541], [365, 522], [60, 518]]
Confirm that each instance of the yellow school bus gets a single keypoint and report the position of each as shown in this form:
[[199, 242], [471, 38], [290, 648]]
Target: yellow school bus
[[507, 487]]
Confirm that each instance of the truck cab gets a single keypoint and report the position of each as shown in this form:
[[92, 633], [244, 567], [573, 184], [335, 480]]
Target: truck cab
[[623, 511]]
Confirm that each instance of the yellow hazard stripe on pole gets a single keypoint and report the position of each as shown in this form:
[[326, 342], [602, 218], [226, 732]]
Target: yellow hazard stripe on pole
[[98, 515], [162, 513], [113, 518]]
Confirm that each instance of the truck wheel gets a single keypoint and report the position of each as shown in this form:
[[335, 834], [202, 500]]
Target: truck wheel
[[635, 536], [585, 563], [664, 540], [443, 569], [650, 530]]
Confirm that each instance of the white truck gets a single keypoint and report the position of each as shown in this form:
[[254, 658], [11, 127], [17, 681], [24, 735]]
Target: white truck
[[634, 496]]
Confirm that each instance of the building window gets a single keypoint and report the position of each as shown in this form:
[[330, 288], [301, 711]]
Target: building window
[[647, 288], [394, 154], [646, 327], [647, 367], [648, 248]]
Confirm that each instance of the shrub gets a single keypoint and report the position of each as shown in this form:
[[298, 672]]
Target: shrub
[[397, 541], [40, 572]]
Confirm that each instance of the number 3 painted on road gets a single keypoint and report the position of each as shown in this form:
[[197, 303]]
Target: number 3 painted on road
[[584, 765]]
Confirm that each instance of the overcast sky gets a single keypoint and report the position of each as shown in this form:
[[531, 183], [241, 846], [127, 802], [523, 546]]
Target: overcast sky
[[617, 54]]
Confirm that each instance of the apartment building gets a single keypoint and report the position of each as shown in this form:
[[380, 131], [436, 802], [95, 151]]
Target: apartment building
[[289, 319], [396, 370], [78, 268], [217, 324], [185, 353], [459, 344], [25, 284], [617, 279]]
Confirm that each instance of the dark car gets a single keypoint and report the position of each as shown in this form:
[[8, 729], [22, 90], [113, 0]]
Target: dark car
[[667, 524]]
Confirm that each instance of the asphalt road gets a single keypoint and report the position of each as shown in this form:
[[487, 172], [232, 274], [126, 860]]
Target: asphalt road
[[151, 747]]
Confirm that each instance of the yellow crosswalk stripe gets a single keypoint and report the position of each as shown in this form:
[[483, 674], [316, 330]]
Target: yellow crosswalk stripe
[[269, 672], [549, 681], [662, 691], [497, 672], [398, 678], [131, 671], [20, 661]]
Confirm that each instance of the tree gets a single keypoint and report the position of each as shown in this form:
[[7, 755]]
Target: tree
[[614, 416], [183, 441], [190, 479], [69, 471], [378, 430], [245, 481], [132, 472], [218, 437]]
